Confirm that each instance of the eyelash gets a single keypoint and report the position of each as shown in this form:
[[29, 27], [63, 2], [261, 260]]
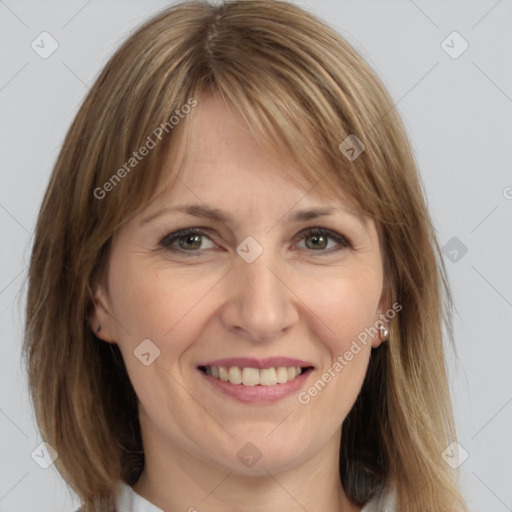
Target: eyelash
[[168, 240]]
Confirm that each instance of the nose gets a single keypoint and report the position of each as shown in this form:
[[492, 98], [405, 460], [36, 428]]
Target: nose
[[260, 304]]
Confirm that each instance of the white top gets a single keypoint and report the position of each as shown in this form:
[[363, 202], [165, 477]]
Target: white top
[[129, 501]]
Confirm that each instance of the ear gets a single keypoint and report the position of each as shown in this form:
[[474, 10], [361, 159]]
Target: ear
[[100, 320], [382, 317]]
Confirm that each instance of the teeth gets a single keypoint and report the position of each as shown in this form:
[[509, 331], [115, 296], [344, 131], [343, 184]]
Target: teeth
[[281, 375], [253, 376], [268, 377], [235, 375], [223, 374]]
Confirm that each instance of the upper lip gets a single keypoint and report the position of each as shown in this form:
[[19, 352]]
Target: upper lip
[[251, 362]]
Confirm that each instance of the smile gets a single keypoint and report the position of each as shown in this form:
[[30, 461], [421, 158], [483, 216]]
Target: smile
[[248, 376], [253, 381]]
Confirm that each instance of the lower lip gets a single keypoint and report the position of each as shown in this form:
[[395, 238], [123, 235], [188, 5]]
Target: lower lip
[[258, 394]]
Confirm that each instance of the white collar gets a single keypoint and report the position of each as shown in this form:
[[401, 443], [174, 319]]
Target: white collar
[[129, 501], [383, 502]]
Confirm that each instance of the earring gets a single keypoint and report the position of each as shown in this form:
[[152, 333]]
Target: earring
[[384, 333], [98, 329]]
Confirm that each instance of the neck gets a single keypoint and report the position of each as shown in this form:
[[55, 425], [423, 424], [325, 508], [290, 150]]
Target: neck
[[173, 480]]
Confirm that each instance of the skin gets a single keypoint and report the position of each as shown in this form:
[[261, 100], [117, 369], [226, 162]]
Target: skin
[[197, 306]]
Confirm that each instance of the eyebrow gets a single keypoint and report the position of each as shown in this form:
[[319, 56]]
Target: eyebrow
[[216, 214]]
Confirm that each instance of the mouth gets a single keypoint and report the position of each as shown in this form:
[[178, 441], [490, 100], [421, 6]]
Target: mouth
[[251, 376], [256, 381]]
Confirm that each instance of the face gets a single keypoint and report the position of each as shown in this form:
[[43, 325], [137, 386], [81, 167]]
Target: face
[[256, 290]]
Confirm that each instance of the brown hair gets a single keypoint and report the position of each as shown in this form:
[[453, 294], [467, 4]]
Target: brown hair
[[302, 89]]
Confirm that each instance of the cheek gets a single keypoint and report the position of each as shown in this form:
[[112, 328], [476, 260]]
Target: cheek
[[157, 317], [152, 303], [345, 306], [145, 300]]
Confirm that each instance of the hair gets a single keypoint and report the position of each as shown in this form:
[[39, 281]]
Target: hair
[[302, 89]]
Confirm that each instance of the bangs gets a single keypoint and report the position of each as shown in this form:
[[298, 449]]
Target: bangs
[[288, 133], [298, 93]]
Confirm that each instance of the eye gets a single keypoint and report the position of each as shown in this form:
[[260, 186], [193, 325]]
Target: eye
[[186, 240], [192, 240], [321, 240]]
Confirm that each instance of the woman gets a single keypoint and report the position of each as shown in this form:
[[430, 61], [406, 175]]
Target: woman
[[236, 297]]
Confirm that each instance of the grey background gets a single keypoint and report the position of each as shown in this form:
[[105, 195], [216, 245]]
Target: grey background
[[457, 112]]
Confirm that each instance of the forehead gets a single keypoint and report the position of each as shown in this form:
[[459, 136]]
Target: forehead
[[216, 153]]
